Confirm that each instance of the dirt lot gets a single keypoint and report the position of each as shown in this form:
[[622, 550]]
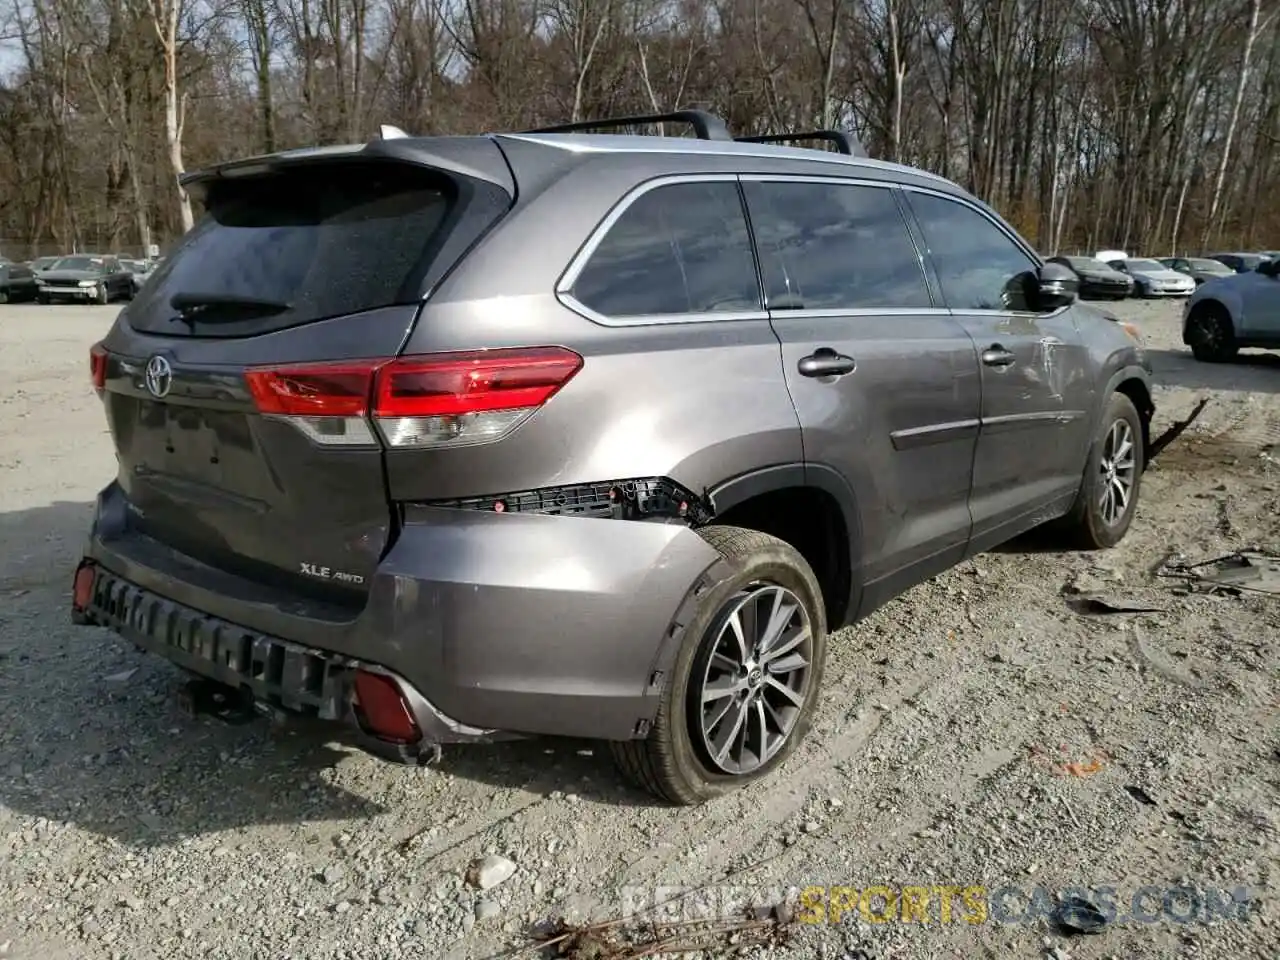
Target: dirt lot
[[977, 732]]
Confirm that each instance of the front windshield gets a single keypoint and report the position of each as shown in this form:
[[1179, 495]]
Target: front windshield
[[1086, 263], [1145, 265], [91, 264]]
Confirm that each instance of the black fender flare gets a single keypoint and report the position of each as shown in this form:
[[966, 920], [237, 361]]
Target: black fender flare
[[782, 476], [1130, 371], [729, 494]]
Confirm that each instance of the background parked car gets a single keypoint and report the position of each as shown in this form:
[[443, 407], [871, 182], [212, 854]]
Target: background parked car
[[1151, 278], [1239, 262], [40, 264], [17, 282], [1198, 269], [1240, 310], [138, 271], [86, 278], [1097, 279]]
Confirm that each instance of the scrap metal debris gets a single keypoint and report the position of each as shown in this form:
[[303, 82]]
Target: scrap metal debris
[[1093, 606], [1078, 915], [1140, 795], [1246, 571], [618, 940], [1161, 442]]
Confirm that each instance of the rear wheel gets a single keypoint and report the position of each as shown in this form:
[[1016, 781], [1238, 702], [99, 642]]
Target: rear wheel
[[1108, 494], [1210, 336], [745, 683]]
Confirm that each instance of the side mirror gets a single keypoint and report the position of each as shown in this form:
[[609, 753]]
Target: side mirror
[[1056, 286]]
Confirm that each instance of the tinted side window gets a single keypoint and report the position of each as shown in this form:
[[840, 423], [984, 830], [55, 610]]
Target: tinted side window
[[979, 267], [682, 248], [829, 246]]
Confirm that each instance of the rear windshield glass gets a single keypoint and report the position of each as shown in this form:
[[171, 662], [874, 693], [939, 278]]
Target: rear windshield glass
[[297, 246]]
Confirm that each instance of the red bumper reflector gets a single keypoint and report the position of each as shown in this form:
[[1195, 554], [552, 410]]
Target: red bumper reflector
[[98, 366], [82, 589], [382, 709]]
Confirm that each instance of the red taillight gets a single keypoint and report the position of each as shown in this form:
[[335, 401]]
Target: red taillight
[[98, 366], [316, 390], [383, 710], [82, 588], [460, 383], [415, 401]]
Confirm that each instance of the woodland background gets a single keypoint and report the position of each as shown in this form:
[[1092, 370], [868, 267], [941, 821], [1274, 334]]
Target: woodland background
[[1150, 125]]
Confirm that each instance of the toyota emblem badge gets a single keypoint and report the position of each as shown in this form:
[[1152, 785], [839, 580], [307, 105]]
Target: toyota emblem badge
[[159, 377]]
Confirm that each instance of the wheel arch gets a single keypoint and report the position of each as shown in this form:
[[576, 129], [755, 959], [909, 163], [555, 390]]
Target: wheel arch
[[1135, 383], [805, 484]]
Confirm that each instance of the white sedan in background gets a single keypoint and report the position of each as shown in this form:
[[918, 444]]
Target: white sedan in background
[[1151, 278]]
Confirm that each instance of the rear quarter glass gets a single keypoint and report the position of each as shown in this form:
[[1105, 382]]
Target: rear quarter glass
[[306, 243]]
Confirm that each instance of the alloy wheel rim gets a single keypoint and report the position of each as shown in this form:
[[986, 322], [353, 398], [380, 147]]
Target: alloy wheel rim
[[756, 679], [1209, 332], [1118, 469]]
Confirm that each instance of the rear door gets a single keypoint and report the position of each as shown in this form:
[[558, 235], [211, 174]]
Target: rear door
[[1037, 385], [236, 384], [885, 383]]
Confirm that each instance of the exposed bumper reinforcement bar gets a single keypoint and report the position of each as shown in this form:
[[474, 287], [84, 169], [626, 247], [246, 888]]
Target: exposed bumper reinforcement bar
[[270, 672]]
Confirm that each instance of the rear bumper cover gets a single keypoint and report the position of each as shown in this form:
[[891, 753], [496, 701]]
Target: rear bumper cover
[[527, 624]]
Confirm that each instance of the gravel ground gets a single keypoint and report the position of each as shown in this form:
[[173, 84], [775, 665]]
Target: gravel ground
[[975, 732]]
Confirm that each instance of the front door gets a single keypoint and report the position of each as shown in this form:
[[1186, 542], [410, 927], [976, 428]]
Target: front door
[[1037, 387], [885, 383]]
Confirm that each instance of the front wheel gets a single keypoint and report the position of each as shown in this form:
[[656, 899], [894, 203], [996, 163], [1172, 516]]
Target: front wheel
[[1210, 335], [1108, 495], [744, 687], [102, 296]]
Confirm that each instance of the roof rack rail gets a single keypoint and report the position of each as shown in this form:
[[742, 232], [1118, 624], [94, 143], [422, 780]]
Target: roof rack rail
[[707, 126], [846, 143]]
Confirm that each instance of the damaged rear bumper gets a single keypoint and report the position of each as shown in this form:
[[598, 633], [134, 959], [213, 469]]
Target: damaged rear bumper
[[267, 672], [490, 624]]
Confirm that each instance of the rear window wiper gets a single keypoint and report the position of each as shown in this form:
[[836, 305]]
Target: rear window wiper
[[193, 306]]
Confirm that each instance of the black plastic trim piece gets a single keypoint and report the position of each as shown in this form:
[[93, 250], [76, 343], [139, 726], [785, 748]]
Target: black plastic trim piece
[[650, 498]]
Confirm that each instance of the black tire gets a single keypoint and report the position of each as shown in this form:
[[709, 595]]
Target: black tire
[[671, 762], [4, 295], [1085, 526], [1210, 334], [42, 298], [103, 296]]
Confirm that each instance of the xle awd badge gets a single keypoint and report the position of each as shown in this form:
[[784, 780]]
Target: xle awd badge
[[324, 573], [158, 377]]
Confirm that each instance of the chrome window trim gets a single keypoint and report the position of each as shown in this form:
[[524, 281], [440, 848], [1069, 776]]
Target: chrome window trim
[[564, 286]]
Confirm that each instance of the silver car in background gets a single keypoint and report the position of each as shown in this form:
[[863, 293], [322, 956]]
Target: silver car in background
[[1151, 278]]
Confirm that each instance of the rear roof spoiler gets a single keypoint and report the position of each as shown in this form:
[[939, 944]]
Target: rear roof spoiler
[[476, 158]]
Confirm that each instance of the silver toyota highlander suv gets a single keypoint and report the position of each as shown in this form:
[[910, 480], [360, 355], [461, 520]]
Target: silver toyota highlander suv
[[557, 433]]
